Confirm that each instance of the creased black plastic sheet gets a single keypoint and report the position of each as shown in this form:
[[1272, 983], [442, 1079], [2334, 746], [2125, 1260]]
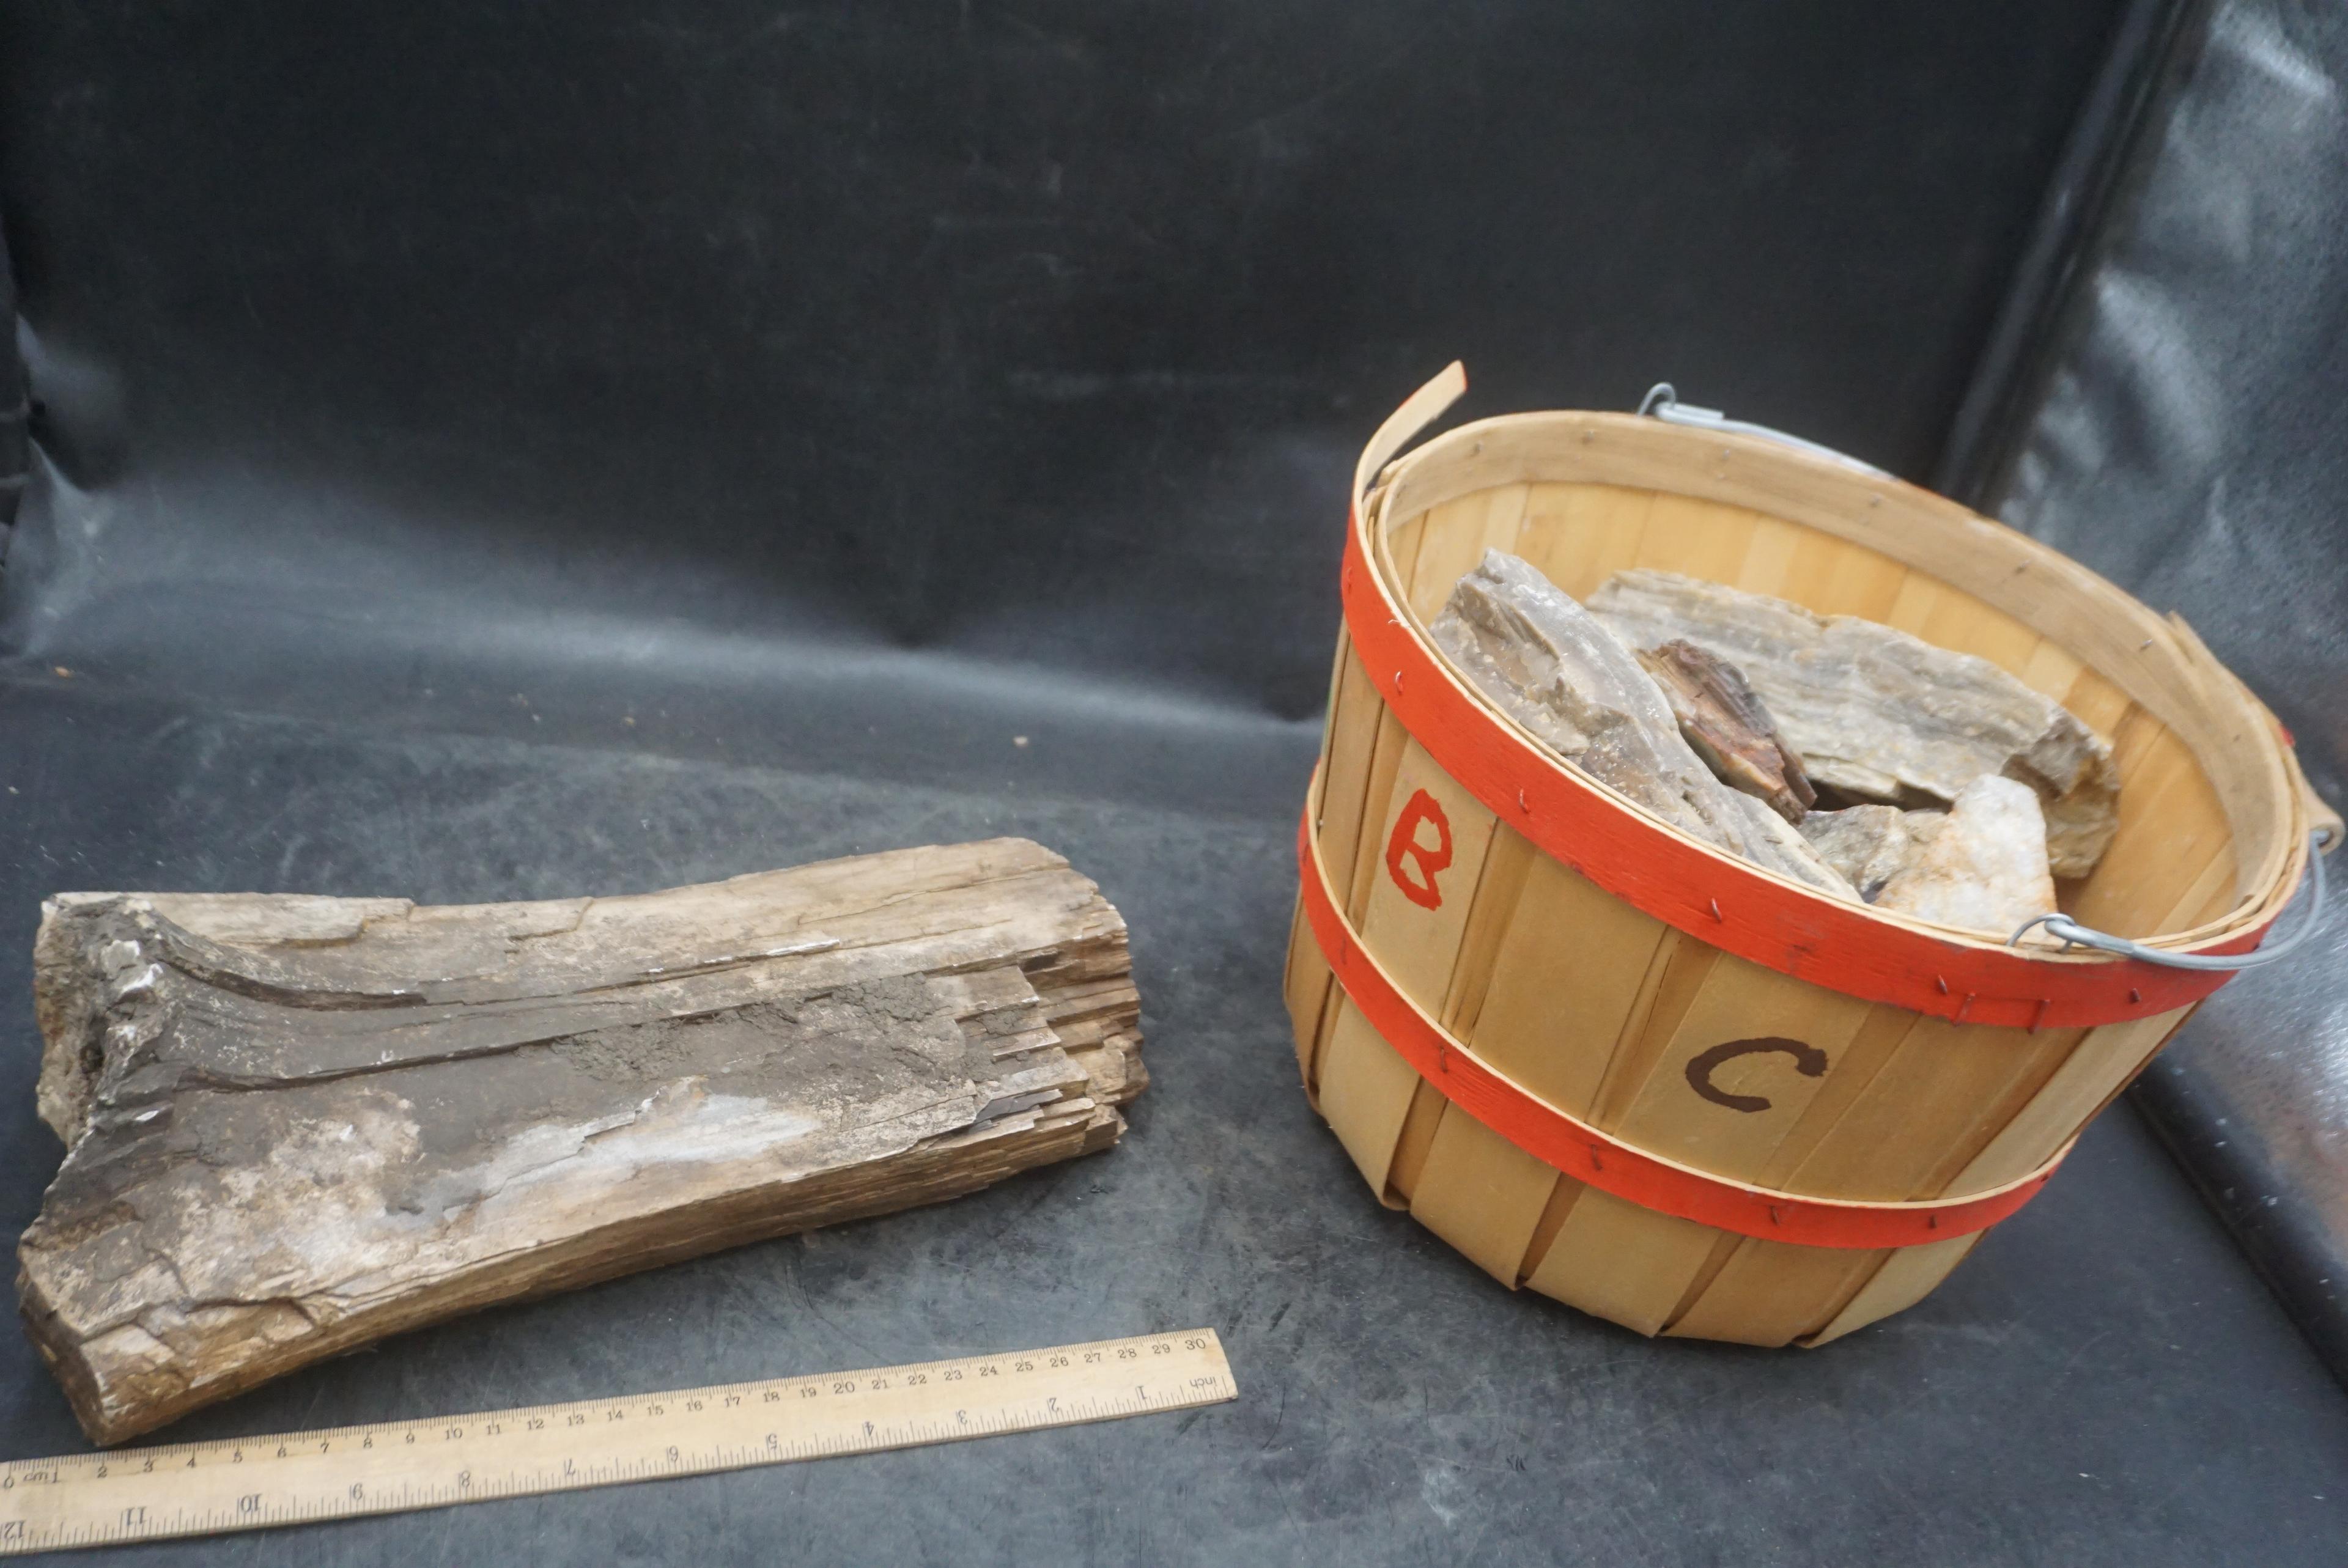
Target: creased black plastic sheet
[[2193, 445]]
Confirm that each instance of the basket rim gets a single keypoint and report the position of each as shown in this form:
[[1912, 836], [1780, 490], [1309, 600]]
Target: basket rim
[[1992, 982]]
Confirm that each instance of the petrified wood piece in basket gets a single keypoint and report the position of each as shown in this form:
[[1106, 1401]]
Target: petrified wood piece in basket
[[1546, 662], [297, 1124], [1725, 719], [1878, 714]]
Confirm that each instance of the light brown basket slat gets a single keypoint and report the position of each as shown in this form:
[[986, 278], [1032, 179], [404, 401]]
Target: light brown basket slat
[[1305, 987], [1365, 1093], [1767, 1292], [1456, 534], [1378, 803], [2098, 702], [2172, 827], [1473, 1188], [1399, 538], [1570, 970], [1443, 1159], [1352, 735], [1677, 975], [1581, 534], [1482, 1194], [1553, 1215], [1770, 559], [1698, 538], [2094, 1071], [1621, 1262], [1413, 1144], [1875, 1042], [1834, 576], [2211, 894], [1568, 966], [2051, 670], [1904, 1279], [1950, 618], [1419, 947], [1919, 1118], [1499, 888]]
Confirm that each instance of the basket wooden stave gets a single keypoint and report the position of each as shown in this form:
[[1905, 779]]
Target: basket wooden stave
[[1597, 1007]]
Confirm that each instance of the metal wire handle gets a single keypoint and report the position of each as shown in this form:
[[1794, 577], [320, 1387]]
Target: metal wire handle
[[2074, 935], [1662, 403]]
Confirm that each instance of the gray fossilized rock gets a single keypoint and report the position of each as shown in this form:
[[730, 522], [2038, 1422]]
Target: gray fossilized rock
[[1867, 844], [1871, 844], [1985, 869], [1546, 662], [1881, 715]]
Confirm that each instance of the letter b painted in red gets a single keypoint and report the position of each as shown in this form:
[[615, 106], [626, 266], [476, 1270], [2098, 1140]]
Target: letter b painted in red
[[1404, 844]]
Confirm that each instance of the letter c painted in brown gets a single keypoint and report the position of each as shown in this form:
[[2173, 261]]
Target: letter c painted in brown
[[1808, 1060]]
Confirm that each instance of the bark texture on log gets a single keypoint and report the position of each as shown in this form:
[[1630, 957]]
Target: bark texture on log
[[1545, 661], [297, 1124], [1878, 714]]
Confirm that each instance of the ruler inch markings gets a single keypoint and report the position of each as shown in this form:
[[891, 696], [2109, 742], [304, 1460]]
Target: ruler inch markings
[[123, 1495]]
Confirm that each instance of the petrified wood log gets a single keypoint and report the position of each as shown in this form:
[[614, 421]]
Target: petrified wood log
[[1546, 662], [1725, 719], [1877, 714], [297, 1124]]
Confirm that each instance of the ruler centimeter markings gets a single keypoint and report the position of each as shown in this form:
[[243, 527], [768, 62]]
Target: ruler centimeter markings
[[294, 1478]]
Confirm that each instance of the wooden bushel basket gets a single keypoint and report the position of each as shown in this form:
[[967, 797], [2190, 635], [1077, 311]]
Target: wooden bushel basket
[[1657, 1082]]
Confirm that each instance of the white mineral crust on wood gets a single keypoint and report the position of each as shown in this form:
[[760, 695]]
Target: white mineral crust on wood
[[1985, 869], [1878, 714], [1546, 662]]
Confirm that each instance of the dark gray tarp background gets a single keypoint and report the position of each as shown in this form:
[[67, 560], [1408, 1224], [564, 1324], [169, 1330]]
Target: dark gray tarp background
[[2192, 445], [1036, 335], [519, 450]]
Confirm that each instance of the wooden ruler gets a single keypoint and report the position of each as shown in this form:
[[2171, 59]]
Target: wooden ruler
[[251, 1484]]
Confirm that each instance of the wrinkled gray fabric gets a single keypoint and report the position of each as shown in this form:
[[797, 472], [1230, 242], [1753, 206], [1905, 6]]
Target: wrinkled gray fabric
[[2193, 445]]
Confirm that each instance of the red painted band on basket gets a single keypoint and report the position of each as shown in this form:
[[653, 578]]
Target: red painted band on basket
[[1581, 1151], [1720, 900]]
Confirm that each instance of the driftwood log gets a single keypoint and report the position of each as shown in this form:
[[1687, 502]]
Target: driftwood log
[[297, 1124]]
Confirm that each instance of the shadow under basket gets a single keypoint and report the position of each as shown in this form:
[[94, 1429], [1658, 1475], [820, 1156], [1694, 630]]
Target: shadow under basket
[[1658, 1083]]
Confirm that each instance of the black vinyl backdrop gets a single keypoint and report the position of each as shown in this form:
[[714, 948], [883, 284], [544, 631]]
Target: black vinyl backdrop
[[2191, 443], [1035, 332], [528, 449]]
